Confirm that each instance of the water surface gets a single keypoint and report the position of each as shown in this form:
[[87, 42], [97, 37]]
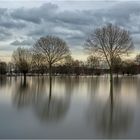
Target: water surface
[[79, 107]]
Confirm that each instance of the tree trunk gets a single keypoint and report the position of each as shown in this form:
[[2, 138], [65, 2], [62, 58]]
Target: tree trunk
[[50, 89], [50, 79], [50, 70], [111, 85]]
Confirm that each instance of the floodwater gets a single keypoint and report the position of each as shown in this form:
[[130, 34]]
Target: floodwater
[[79, 107]]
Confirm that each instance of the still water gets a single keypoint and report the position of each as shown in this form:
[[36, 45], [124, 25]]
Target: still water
[[79, 107]]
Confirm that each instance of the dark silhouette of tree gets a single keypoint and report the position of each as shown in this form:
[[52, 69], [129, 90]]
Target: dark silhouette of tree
[[68, 63], [22, 58], [109, 42], [53, 49], [137, 59], [38, 62], [10, 68], [93, 61], [3, 68], [129, 67], [117, 65], [68, 60]]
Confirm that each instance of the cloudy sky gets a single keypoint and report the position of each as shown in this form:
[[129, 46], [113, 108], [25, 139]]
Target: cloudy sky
[[22, 22]]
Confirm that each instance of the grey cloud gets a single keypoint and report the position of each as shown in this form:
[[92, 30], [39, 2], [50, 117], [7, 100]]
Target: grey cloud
[[72, 25], [12, 24], [22, 43], [120, 13], [4, 34], [7, 21], [3, 11], [22, 14], [35, 15], [82, 21]]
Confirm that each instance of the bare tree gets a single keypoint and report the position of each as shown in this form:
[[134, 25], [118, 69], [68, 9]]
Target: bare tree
[[10, 68], [68, 60], [109, 41], [53, 49], [93, 61], [117, 65], [38, 61], [22, 58], [3, 68], [137, 59]]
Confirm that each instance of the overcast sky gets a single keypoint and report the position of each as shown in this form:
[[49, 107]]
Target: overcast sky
[[22, 22]]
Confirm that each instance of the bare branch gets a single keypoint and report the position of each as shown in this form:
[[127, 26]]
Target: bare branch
[[109, 41]]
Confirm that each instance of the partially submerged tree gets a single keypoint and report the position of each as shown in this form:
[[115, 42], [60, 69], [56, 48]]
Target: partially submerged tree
[[129, 67], [3, 68], [10, 68], [22, 58], [38, 61], [68, 60], [53, 49], [137, 59], [109, 41], [93, 61], [117, 65]]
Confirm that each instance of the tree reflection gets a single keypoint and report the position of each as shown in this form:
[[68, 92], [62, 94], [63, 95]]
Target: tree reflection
[[51, 108], [22, 96], [47, 106], [93, 85], [2, 80], [112, 118]]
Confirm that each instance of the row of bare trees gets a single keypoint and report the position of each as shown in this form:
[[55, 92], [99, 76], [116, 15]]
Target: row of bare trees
[[92, 66], [47, 50], [105, 44]]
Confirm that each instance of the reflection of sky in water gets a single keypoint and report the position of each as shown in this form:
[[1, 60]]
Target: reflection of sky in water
[[78, 108]]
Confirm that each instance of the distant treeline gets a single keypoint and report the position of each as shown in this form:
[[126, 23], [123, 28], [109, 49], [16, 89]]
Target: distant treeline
[[93, 66]]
